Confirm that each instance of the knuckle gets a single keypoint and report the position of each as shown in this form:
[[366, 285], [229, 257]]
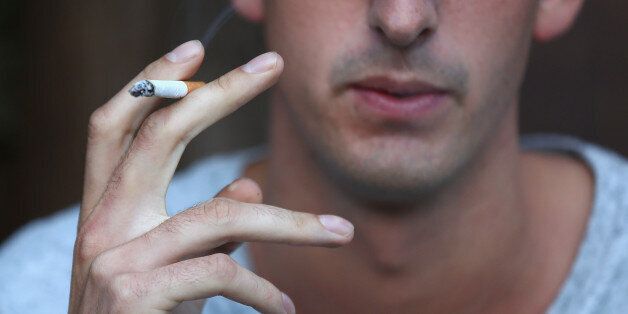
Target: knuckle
[[150, 69], [299, 220], [174, 225], [87, 246], [224, 83], [125, 290], [149, 132], [157, 128], [270, 294], [99, 123], [267, 292], [222, 267], [221, 211], [101, 270]]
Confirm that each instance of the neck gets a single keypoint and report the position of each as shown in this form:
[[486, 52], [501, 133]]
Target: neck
[[466, 243]]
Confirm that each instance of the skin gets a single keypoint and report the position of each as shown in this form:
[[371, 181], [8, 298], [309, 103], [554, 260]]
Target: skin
[[129, 255], [449, 214]]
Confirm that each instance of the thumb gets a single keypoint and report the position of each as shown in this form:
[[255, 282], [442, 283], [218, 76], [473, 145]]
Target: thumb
[[243, 190]]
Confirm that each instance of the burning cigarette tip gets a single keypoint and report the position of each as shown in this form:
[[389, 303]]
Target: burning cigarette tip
[[164, 89], [143, 88]]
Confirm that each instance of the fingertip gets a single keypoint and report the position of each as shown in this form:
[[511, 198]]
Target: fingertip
[[287, 303], [186, 52], [252, 189], [280, 62], [264, 63], [337, 225], [179, 64], [244, 190]]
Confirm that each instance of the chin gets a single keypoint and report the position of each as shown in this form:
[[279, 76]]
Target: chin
[[390, 170]]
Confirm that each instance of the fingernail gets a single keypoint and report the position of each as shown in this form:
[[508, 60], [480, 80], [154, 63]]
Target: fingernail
[[262, 63], [336, 224], [185, 52], [288, 305]]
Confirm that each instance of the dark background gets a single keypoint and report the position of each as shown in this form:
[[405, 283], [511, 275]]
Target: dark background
[[59, 60]]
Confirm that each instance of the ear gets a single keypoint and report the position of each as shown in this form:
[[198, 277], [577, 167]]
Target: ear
[[252, 10], [555, 17]]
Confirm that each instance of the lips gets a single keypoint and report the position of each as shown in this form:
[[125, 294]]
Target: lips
[[392, 99]]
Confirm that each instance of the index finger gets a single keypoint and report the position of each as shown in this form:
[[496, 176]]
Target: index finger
[[112, 125], [155, 152]]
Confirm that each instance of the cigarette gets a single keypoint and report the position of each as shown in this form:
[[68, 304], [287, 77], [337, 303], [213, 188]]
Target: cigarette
[[164, 89]]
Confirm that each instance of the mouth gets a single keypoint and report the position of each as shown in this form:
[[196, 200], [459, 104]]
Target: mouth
[[386, 98]]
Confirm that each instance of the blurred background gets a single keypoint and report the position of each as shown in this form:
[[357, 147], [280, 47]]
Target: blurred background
[[60, 60]]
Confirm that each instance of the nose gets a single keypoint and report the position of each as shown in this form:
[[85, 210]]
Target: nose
[[403, 22]]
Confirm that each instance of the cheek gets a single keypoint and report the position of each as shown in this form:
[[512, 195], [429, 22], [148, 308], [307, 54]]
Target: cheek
[[310, 35], [493, 38]]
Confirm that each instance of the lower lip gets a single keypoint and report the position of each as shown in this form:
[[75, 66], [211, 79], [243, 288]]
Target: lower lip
[[386, 106]]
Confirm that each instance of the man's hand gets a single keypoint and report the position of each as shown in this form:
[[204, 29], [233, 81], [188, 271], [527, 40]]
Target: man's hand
[[129, 256]]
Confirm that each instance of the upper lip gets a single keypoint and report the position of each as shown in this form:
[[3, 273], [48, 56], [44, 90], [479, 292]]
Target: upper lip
[[396, 86]]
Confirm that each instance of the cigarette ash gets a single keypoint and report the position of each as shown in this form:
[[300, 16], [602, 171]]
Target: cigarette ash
[[143, 88]]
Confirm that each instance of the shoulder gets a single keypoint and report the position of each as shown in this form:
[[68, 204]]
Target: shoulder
[[610, 169], [598, 281], [36, 261]]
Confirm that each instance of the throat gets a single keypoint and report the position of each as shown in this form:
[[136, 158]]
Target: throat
[[388, 245], [392, 267]]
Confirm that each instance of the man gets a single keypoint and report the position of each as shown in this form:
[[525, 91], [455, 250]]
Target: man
[[398, 115]]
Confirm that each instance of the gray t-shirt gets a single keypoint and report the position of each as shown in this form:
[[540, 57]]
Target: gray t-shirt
[[35, 263]]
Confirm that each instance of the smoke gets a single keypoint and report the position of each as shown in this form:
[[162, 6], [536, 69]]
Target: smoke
[[217, 23]]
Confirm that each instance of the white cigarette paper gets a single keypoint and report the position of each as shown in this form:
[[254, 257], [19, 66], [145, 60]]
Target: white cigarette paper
[[163, 89]]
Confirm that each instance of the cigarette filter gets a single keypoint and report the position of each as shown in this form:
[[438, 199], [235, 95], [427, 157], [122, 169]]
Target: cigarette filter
[[164, 89]]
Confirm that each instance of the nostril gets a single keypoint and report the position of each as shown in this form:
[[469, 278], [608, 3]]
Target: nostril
[[403, 24], [403, 36], [380, 32], [426, 33]]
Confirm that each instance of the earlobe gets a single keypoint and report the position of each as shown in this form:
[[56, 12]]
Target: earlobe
[[555, 17], [252, 10]]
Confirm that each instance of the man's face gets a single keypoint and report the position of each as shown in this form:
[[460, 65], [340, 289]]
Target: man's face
[[396, 97]]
